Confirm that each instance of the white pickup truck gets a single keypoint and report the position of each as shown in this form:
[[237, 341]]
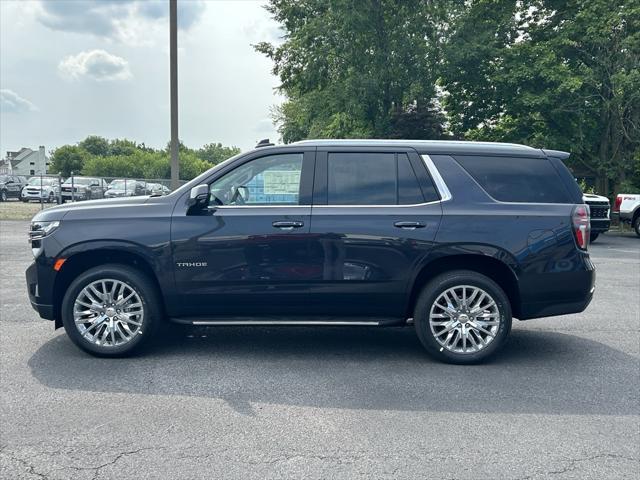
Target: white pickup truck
[[628, 207]]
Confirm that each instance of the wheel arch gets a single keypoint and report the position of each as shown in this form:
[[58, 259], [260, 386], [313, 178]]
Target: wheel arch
[[81, 261], [495, 269]]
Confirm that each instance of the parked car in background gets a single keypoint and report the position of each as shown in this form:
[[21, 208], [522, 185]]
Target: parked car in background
[[600, 214], [453, 238], [83, 188], [157, 189], [41, 189], [125, 188], [11, 186], [627, 206]]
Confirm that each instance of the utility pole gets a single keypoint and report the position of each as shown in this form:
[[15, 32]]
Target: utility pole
[[173, 68]]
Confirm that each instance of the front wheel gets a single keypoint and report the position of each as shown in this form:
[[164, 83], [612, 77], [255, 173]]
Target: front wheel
[[593, 236], [462, 317], [636, 225], [3, 196], [111, 310]]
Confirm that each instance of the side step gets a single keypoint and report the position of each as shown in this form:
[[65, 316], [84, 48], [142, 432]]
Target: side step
[[289, 321]]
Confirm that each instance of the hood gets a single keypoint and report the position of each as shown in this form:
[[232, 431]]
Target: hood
[[593, 197], [88, 207]]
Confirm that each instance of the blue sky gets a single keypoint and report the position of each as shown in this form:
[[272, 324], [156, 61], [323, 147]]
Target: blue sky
[[74, 68]]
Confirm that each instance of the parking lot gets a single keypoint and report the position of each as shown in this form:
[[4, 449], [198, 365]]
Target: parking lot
[[562, 400]]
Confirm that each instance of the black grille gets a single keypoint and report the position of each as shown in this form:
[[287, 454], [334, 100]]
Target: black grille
[[599, 212]]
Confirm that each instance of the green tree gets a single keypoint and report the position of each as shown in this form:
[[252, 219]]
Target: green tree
[[67, 159], [95, 145], [215, 153], [352, 68], [559, 74]]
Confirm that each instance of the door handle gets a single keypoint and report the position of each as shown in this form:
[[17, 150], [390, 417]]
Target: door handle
[[288, 225], [409, 225]]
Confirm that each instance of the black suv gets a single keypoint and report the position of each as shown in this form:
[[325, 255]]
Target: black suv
[[11, 186], [454, 237]]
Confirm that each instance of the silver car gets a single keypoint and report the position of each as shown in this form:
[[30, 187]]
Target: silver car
[[44, 189]]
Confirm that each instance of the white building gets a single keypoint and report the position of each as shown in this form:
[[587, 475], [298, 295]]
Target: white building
[[25, 162]]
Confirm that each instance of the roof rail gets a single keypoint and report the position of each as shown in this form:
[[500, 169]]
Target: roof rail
[[264, 143]]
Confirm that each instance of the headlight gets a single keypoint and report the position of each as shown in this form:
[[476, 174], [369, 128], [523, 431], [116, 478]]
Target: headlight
[[42, 229]]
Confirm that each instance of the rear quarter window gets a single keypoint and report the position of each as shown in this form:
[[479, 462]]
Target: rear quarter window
[[516, 179]]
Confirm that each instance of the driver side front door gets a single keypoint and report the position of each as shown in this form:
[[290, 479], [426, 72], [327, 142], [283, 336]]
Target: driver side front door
[[249, 254]]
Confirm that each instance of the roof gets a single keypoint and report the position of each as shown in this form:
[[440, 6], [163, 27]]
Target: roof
[[434, 146]]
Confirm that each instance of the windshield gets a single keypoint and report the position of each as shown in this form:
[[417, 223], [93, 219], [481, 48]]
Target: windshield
[[42, 181], [120, 184], [80, 181]]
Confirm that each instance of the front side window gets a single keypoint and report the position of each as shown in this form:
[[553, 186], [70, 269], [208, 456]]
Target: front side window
[[371, 179], [272, 180]]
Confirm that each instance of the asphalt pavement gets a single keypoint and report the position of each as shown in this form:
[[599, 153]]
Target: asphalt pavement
[[561, 400]]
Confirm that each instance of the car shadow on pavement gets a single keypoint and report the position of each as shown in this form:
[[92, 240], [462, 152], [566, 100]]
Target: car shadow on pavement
[[359, 368]]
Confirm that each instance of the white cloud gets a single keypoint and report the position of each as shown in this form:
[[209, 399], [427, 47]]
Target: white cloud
[[11, 102], [123, 20], [95, 64]]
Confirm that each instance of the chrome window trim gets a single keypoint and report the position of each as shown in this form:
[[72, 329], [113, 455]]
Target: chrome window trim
[[441, 186], [226, 207]]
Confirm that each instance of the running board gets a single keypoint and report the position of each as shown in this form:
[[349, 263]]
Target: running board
[[230, 321]]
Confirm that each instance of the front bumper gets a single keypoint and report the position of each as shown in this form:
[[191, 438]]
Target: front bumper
[[600, 225], [45, 309], [75, 196], [36, 195]]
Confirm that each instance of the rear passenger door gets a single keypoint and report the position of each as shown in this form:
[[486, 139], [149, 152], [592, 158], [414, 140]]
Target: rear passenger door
[[374, 218]]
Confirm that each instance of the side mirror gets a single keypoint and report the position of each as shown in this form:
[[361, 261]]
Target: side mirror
[[199, 196]]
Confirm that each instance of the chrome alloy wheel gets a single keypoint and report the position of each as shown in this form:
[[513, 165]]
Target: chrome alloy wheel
[[464, 319], [108, 313]]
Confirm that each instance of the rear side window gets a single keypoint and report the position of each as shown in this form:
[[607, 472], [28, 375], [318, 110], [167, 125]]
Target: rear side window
[[371, 179], [516, 179]]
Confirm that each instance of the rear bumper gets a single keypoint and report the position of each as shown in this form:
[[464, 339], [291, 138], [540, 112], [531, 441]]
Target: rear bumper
[[547, 309], [45, 309], [560, 293]]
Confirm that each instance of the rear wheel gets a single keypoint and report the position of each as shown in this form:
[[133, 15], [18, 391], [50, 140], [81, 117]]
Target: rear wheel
[[462, 317], [111, 310]]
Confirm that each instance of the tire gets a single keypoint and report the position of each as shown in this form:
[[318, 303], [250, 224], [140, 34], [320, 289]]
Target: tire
[[3, 196], [497, 316], [636, 225], [51, 198], [129, 280], [593, 236], [25, 200]]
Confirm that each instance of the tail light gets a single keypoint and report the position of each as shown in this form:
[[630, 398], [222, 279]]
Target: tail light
[[616, 206], [581, 225]]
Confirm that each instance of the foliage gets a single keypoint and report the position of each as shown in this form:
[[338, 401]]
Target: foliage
[[561, 74], [95, 145], [215, 153], [358, 68], [125, 158], [586, 188], [67, 159], [549, 73]]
